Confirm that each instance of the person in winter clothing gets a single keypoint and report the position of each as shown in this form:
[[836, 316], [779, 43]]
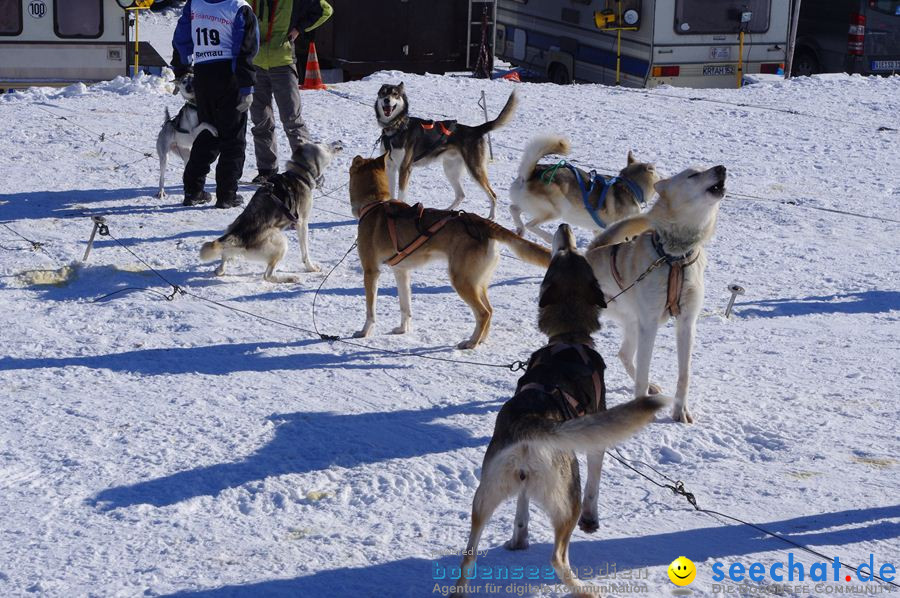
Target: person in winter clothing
[[281, 23], [221, 38]]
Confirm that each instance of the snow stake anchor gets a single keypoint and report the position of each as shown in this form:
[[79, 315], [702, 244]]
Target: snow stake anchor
[[736, 290], [99, 223]]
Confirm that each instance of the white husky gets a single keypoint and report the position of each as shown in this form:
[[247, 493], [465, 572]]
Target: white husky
[[671, 235]]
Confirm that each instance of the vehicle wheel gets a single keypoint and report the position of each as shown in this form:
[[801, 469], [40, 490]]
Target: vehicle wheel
[[559, 74], [805, 64]]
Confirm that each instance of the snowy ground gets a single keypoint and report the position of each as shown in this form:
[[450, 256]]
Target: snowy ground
[[157, 448]]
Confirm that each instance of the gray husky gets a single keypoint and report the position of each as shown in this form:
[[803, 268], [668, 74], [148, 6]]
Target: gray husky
[[411, 141], [559, 408], [178, 132], [285, 200]]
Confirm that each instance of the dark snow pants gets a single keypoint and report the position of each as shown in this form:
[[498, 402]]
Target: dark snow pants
[[217, 96]]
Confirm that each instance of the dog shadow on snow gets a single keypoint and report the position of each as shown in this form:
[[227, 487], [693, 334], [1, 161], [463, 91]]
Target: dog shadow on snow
[[623, 558], [865, 302], [304, 442]]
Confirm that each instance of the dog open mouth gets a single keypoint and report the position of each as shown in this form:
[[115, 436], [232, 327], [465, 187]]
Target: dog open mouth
[[387, 109], [718, 189]]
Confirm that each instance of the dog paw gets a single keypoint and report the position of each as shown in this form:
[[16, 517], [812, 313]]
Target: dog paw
[[682, 415], [588, 524], [400, 330], [514, 544], [361, 334], [220, 271], [467, 344], [654, 389], [161, 195], [312, 267]]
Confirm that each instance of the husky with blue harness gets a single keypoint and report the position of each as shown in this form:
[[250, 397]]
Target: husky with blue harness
[[561, 191]]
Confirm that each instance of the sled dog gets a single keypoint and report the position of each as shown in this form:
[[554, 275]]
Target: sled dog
[[547, 192], [284, 200], [559, 408], [671, 236], [406, 237], [178, 133], [411, 141]]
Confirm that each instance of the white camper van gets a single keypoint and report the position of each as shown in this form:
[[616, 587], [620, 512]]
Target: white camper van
[[54, 42], [689, 43]]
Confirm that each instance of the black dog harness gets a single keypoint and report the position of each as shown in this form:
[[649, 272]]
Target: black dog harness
[[571, 375], [280, 191], [437, 133]]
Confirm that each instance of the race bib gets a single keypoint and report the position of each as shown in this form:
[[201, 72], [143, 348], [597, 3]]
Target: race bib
[[212, 28]]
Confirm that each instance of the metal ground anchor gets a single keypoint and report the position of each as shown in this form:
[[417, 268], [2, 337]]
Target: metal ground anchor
[[736, 290], [98, 222], [482, 103]]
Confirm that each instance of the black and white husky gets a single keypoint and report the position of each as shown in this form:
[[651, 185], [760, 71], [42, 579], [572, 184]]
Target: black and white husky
[[178, 133], [285, 200], [559, 409], [411, 141]]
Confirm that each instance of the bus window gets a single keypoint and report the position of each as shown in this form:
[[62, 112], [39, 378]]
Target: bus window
[[10, 17], [78, 18], [720, 16]]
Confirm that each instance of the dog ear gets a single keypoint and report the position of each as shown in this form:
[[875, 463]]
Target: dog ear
[[357, 162], [400, 87], [631, 158], [661, 186], [550, 295]]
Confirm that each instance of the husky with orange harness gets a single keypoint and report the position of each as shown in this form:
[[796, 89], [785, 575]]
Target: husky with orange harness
[[406, 237], [559, 409], [657, 261], [411, 141]]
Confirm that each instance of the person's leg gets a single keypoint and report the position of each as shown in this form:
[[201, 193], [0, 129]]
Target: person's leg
[[285, 88], [232, 127], [264, 123], [206, 146]]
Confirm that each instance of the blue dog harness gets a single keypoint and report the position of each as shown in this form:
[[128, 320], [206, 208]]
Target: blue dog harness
[[605, 184]]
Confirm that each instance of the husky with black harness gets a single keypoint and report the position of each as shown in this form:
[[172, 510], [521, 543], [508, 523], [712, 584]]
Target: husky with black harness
[[410, 141], [285, 200], [559, 409], [407, 237], [562, 191]]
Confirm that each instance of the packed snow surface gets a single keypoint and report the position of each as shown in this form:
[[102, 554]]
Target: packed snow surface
[[154, 447]]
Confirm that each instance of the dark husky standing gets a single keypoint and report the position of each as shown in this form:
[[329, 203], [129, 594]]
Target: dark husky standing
[[411, 141], [284, 201], [559, 408]]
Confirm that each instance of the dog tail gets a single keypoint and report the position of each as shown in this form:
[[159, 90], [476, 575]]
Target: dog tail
[[207, 127], [211, 251], [523, 248], [597, 431], [504, 117], [539, 147]]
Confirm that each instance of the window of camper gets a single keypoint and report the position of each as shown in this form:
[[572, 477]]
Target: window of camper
[[10, 17], [891, 7], [78, 18], [693, 17]]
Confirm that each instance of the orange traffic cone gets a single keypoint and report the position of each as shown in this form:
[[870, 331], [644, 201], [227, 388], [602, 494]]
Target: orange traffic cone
[[313, 78]]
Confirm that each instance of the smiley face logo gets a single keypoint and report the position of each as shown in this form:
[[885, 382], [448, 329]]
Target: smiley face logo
[[682, 571]]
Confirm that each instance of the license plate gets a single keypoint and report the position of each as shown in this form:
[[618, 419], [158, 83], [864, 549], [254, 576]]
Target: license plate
[[886, 65], [720, 53], [719, 69]]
